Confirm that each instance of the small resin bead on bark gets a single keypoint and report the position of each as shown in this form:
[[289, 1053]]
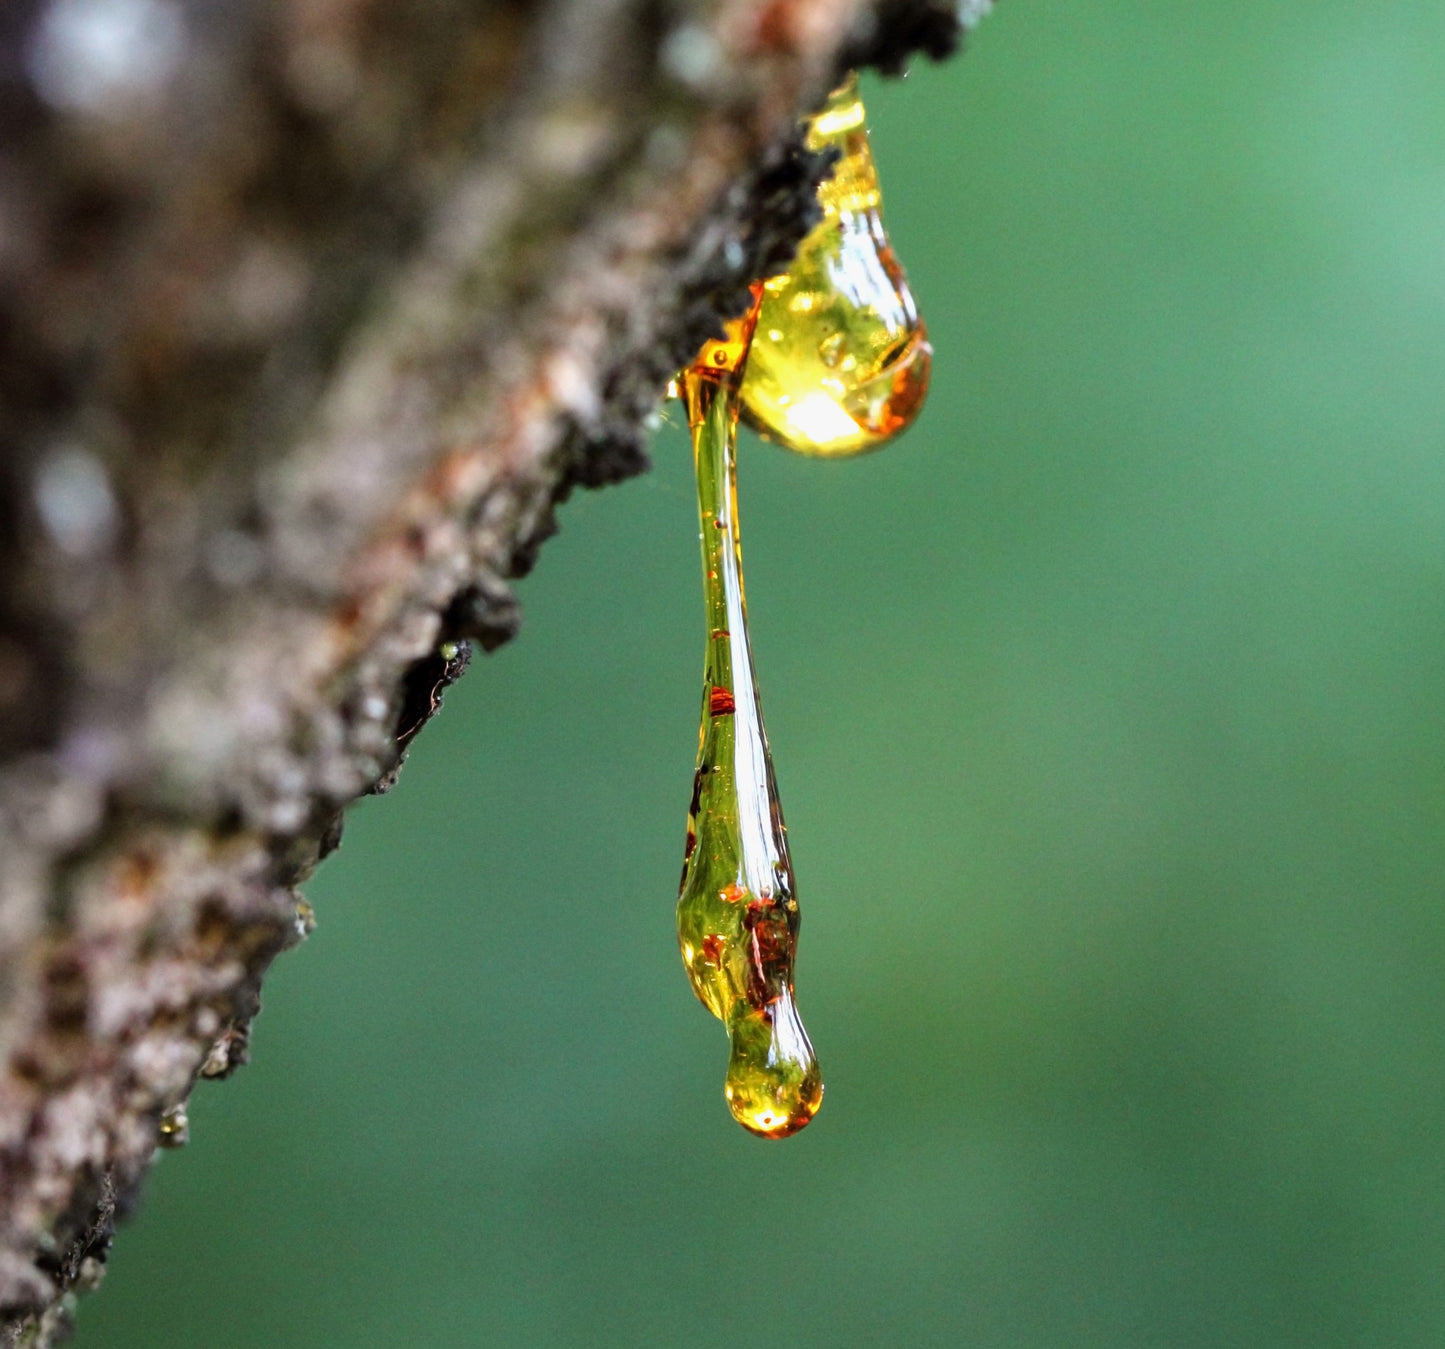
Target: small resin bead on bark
[[840, 359]]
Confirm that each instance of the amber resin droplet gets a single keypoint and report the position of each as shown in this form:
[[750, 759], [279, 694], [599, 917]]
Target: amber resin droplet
[[173, 1130], [840, 359], [737, 910]]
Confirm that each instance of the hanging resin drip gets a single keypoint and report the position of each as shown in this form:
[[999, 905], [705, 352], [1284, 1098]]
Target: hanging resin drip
[[840, 359], [833, 359], [737, 910]]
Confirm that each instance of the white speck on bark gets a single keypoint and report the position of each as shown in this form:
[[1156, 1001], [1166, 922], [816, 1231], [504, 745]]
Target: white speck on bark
[[75, 501], [94, 56]]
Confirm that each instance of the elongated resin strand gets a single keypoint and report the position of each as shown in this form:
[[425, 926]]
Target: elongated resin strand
[[737, 910], [840, 359]]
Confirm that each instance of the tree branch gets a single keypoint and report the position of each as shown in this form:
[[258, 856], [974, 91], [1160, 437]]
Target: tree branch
[[310, 313]]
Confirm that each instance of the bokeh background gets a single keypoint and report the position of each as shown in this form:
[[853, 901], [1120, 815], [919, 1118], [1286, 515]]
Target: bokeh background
[[1109, 713]]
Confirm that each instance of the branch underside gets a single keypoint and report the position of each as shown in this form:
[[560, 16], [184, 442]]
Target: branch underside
[[310, 314]]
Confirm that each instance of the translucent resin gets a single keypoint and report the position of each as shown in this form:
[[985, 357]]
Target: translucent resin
[[737, 910], [840, 359]]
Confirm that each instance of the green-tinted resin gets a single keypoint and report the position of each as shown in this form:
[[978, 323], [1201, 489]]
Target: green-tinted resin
[[737, 912]]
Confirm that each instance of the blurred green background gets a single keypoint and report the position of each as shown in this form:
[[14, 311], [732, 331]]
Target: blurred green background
[[1109, 714]]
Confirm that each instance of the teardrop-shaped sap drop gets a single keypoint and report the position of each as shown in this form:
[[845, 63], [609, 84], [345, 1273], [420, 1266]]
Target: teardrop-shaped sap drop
[[840, 360], [773, 1084]]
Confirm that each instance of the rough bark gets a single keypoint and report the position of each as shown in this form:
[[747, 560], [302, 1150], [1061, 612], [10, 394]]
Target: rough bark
[[311, 311]]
